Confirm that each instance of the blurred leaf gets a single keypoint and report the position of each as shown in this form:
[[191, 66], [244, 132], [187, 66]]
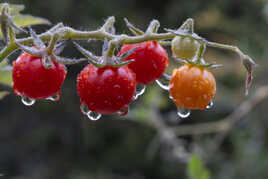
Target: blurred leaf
[[142, 113], [14, 8], [3, 94], [5, 74], [196, 169], [24, 20]]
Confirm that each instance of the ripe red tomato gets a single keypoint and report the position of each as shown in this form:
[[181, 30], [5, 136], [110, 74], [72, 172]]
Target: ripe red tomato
[[32, 80], [192, 87], [151, 60], [106, 90]]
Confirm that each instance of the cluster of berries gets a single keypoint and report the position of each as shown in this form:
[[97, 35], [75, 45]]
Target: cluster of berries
[[108, 84]]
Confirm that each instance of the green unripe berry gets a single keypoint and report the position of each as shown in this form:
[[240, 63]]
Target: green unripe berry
[[184, 47]]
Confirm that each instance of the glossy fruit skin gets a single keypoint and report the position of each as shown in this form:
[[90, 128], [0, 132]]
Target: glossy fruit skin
[[106, 90], [150, 63], [192, 87], [184, 47], [33, 80]]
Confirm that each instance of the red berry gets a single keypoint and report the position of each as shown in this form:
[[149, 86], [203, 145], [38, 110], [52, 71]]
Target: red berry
[[150, 63], [34, 81], [106, 90]]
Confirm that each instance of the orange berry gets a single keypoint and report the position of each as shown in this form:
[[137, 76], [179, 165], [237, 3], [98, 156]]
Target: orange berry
[[192, 87]]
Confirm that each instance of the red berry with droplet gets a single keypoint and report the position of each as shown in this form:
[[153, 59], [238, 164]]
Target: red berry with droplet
[[33, 80], [150, 63], [106, 90]]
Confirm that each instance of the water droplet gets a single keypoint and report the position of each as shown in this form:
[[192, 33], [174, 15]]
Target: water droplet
[[55, 97], [93, 115], [84, 109], [123, 111], [27, 101], [163, 81], [210, 104], [183, 112], [90, 114], [117, 86], [140, 89]]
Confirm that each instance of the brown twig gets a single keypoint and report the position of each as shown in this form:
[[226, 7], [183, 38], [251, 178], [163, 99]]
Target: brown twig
[[227, 123], [165, 134]]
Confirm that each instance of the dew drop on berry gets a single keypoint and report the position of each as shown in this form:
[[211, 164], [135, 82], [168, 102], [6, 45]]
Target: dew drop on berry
[[84, 109], [123, 111], [27, 101], [163, 81], [183, 112], [210, 104], [140, 89], [90, 114], [55, 97], [93, 115]]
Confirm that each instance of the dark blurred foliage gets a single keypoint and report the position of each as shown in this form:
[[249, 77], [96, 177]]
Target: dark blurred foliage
[[54, 140]]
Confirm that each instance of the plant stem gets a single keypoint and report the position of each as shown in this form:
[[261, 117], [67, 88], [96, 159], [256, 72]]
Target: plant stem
[[68, 33], [227, 47]]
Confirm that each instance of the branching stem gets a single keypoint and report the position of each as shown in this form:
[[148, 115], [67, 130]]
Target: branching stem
[[68, 33]]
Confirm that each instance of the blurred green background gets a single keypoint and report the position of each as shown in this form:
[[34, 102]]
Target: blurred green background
[[54, 140]]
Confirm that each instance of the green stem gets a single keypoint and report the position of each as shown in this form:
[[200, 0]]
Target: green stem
[[227, 47], [52, 43], [201, 52], [111, 49], [68, 33]]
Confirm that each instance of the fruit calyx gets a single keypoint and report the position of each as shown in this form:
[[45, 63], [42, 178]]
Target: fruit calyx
[[106, 59], [198, 59], [152, 28], [48, 53]]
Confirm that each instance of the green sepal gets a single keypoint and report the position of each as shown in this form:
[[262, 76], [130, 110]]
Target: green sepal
[[184, 34], [85, 52], [201, 64], [36, 40], [120, 64], [59, 47], [153, 26], [68, 61], [30, 50], [132, 28], [127, 54]]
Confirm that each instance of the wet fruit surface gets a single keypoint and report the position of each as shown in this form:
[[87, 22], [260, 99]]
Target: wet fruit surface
[[34, 81], [184, 47], [192, 87], [151, 60], [106, 90]]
